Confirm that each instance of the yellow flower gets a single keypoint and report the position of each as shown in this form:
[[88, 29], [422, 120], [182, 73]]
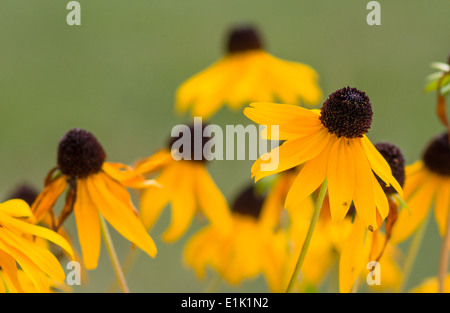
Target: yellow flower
[[427, 181], [249, 249], [187, 186], [16, 245], [431, 285], [331, 144], [94, 187], [247, 73]]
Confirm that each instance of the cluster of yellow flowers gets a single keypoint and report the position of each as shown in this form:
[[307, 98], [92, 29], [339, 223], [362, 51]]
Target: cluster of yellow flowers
[[335, 198]]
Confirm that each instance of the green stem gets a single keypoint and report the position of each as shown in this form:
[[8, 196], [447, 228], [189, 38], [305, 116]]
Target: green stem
[[113, 255], [412, 253], [312, 225]]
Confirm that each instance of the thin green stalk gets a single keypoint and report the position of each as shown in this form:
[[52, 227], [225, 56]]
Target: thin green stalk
[[113, 256], [412, 253], [312, 225], [127, 264]]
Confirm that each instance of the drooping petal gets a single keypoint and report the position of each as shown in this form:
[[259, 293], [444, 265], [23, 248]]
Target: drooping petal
[[419, 205], [211, 200], [9, 269], [182, 201], [154, 163], [311, 176], [380, 165], [88, 225], [363, 195], [119, 215], [154, 200], [28, 228], [290, 154], [354, 255], [341, 179], [47, 198], [127, 176]]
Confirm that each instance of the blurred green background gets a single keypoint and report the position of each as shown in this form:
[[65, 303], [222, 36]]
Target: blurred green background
[[116, 74]]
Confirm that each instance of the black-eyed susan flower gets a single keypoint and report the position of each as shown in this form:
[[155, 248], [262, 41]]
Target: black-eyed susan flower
[[427, 181], [95, 189], [18, 246], [186, 185], [362, 246], [247, 73], [332, 145], [251, 248]]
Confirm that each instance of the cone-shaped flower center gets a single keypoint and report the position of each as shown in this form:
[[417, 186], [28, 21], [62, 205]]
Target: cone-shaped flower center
[[243, 38], [347, 113], [437, 155], [80, 154], [393, 155], [248, 202]]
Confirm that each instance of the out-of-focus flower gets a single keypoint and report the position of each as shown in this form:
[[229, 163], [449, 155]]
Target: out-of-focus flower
[[93, 187], [427, 181], [252, 247], [18, 246], [331, 144], [187, 186], [245, 74]]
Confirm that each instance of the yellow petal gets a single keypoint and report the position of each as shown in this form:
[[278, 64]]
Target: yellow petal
[[47, 198], [354, 256], [341, 179], [88, 225], [419, 205], [290, 154], [28, 228], [380, 165], [158, 160], [183, 204], [119, 215], [290, 119], [311, 176], [363, 196], [127, 176], [211, 200], [16, 208]]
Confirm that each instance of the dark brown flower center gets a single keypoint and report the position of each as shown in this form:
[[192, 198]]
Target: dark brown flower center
[[80, 154], [243, 38], [347, 113], [249, 202], [393, 155], [437, 155]]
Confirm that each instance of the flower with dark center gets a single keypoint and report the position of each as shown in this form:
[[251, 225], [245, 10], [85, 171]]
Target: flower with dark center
[[347, 113], [93, 187], [244, 74], [330, 146], [186, 185], [427, 182]]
